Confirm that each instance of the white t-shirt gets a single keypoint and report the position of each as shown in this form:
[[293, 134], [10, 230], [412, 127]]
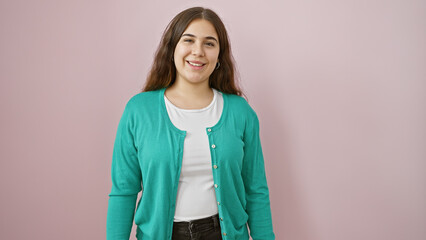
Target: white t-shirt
[[196, 196]]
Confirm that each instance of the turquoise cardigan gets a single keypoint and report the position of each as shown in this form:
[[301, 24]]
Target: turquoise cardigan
[[148, 151]]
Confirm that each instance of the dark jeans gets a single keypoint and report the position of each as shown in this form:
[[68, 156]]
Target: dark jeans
[[200, 229]]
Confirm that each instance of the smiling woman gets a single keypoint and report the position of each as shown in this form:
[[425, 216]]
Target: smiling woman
[[202, 32], [191, 142], [196, 54]]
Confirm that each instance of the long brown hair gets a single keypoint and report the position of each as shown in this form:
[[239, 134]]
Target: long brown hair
[[163, 70]]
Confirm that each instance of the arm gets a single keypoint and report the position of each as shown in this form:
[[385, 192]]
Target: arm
[[257, 193], [126, 181]]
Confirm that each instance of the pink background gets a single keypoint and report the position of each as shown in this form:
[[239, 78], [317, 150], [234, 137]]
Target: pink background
[[339, 87]]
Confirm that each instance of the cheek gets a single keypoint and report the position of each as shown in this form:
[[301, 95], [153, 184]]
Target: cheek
[[181, 52], [214, 55]]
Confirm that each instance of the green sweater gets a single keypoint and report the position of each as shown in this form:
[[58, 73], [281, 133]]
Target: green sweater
[[148, 151]]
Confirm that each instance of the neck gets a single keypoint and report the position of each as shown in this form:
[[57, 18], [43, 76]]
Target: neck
[[188, 90]]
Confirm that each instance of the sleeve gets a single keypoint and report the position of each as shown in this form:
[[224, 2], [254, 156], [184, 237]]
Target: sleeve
[[255, 183], [126, 180]]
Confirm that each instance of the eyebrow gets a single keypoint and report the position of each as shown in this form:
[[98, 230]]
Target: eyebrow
[[208, 37]]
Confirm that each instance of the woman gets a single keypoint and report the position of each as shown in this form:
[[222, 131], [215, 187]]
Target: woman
[[191, 142]]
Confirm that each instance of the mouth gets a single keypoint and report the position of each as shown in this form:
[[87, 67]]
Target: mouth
[[196, 65]]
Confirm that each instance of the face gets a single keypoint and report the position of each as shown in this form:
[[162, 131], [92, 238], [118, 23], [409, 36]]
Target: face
[[196, 53]]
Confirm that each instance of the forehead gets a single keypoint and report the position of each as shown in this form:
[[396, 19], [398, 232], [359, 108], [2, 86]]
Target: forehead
[[201, 28]]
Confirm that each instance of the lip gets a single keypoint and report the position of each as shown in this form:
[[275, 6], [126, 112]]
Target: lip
[[196, 62]]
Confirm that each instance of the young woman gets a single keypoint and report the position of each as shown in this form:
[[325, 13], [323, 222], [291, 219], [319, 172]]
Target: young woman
[[191, 142]]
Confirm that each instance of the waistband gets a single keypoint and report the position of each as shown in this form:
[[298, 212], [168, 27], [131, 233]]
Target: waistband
[[193, 224]]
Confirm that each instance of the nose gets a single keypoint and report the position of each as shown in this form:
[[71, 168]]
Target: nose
[[197, 49]]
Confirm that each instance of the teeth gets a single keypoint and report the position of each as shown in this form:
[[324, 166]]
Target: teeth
[[195, 64]]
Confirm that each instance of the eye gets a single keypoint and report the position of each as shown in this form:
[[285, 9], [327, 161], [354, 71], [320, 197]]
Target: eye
[[187, 40], [210, 44]]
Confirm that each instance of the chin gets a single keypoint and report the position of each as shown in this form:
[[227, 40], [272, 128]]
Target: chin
[[196, 80]]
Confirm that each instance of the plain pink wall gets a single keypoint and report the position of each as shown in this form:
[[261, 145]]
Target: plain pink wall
[[339, 87]]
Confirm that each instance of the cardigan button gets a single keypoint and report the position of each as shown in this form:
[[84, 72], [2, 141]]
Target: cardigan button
[[209, 129], [215, 166], [224, 234], [213, 146], [221, 219], [218, 203], [215, 185]]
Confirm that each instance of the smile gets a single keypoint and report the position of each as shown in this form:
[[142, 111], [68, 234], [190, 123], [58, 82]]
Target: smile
[[195, 64]]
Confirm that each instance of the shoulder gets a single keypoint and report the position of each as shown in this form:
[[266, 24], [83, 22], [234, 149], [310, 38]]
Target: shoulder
[[143, 100], [145, 97], [243, 114], [240, 106]]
